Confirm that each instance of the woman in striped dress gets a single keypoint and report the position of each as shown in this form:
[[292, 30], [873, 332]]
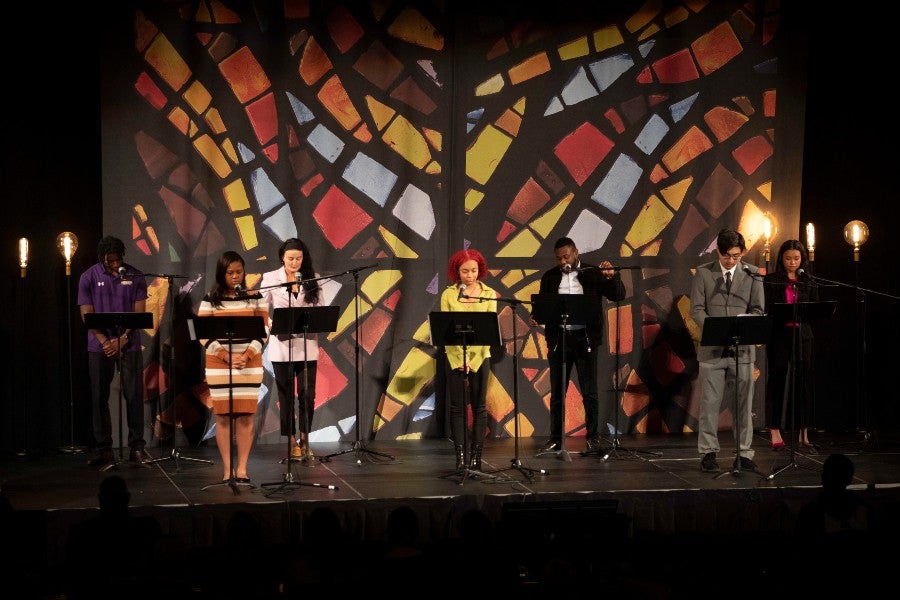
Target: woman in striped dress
[[234, 373]]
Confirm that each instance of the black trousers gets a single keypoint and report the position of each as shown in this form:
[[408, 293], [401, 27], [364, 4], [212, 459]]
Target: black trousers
[[101, 370], [286, 374], [456, 399], [581, 356]]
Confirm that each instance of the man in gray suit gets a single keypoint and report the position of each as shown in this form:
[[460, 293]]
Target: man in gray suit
[[726, 288]]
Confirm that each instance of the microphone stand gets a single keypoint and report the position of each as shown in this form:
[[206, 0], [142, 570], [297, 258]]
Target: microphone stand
[[515, 463], [861, 346], [170, 303], [617, 389], [358, 447], [792, 388]]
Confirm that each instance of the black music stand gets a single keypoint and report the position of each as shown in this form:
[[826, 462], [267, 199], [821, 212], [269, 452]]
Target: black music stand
[[228, 328], [741, 330], [291, 321], [119, 321], [459, 328], [799, 313], [562, 310]]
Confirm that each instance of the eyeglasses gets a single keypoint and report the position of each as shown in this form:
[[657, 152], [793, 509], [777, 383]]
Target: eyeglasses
[[736, 256]]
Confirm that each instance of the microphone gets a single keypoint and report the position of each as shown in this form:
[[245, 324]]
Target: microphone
[[566, 268], [122, 272], [747, 270], [238, 290], [801, 272], [462, 292]]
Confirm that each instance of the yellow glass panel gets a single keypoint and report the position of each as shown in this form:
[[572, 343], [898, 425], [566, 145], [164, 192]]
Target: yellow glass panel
[[473, 199], [485, 154], [514, 276], [676, 16], [210, 152], [229, 151], [348, 317], [491, 86], [236, 196], [497, 400], [163, 57], [416, 370], [607, 37], [214, 120], [526, 428], [381, 113], [766, 190], [406, 141], [652, 249], [526, 292], [423, 333], [379, 283], [674, 194], [435, 138], [530, 349], [411, 26], [246, 229], [652, 219], [519, 106], [400, 249], [577, 48], [522, 244], [197, 97], [649, 32], [544, 224]]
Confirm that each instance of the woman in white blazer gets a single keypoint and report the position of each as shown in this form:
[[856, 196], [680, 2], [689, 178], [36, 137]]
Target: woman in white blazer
[[293, 357]]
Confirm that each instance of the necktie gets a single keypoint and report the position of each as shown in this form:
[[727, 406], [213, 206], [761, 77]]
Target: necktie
[[728, 282]]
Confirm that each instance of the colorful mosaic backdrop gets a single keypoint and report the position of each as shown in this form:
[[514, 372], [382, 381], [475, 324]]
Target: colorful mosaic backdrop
[[389, 134]]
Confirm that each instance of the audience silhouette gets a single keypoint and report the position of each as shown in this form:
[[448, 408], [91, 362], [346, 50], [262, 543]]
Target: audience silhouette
[[110, 554]]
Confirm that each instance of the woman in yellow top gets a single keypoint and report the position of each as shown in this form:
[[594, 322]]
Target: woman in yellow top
[[468, 293]]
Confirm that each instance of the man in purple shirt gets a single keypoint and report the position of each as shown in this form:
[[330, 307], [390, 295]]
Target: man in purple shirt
[[111, 285]]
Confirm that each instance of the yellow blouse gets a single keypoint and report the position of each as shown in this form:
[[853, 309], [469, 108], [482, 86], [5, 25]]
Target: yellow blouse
[[475, 355]]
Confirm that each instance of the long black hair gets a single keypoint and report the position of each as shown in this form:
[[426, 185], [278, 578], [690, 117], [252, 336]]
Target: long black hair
[[791, 245], [307, 271], [217, 293]]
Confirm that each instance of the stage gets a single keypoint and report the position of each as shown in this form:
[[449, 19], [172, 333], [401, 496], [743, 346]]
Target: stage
[[646, 485]]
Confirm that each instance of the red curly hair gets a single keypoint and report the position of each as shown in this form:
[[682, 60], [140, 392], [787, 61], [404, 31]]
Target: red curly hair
[[462, 256]]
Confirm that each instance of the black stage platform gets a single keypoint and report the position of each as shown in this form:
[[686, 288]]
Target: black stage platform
[[651, 484]]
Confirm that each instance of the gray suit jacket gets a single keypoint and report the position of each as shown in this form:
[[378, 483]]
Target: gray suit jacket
[[709, 299]]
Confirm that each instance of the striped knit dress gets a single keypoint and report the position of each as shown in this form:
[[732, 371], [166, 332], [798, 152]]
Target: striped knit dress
[[247, 381]]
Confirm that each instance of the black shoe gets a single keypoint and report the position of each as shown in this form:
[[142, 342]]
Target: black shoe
[[747, 464], [708, 463], [594, 443], [139, 455], [104, 458], [551, 446]]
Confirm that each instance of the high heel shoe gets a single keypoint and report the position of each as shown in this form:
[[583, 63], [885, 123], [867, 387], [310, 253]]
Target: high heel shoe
[[776, 446]]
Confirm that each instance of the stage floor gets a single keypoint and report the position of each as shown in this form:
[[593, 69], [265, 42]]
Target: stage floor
[[425, 469], [652, 483]]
